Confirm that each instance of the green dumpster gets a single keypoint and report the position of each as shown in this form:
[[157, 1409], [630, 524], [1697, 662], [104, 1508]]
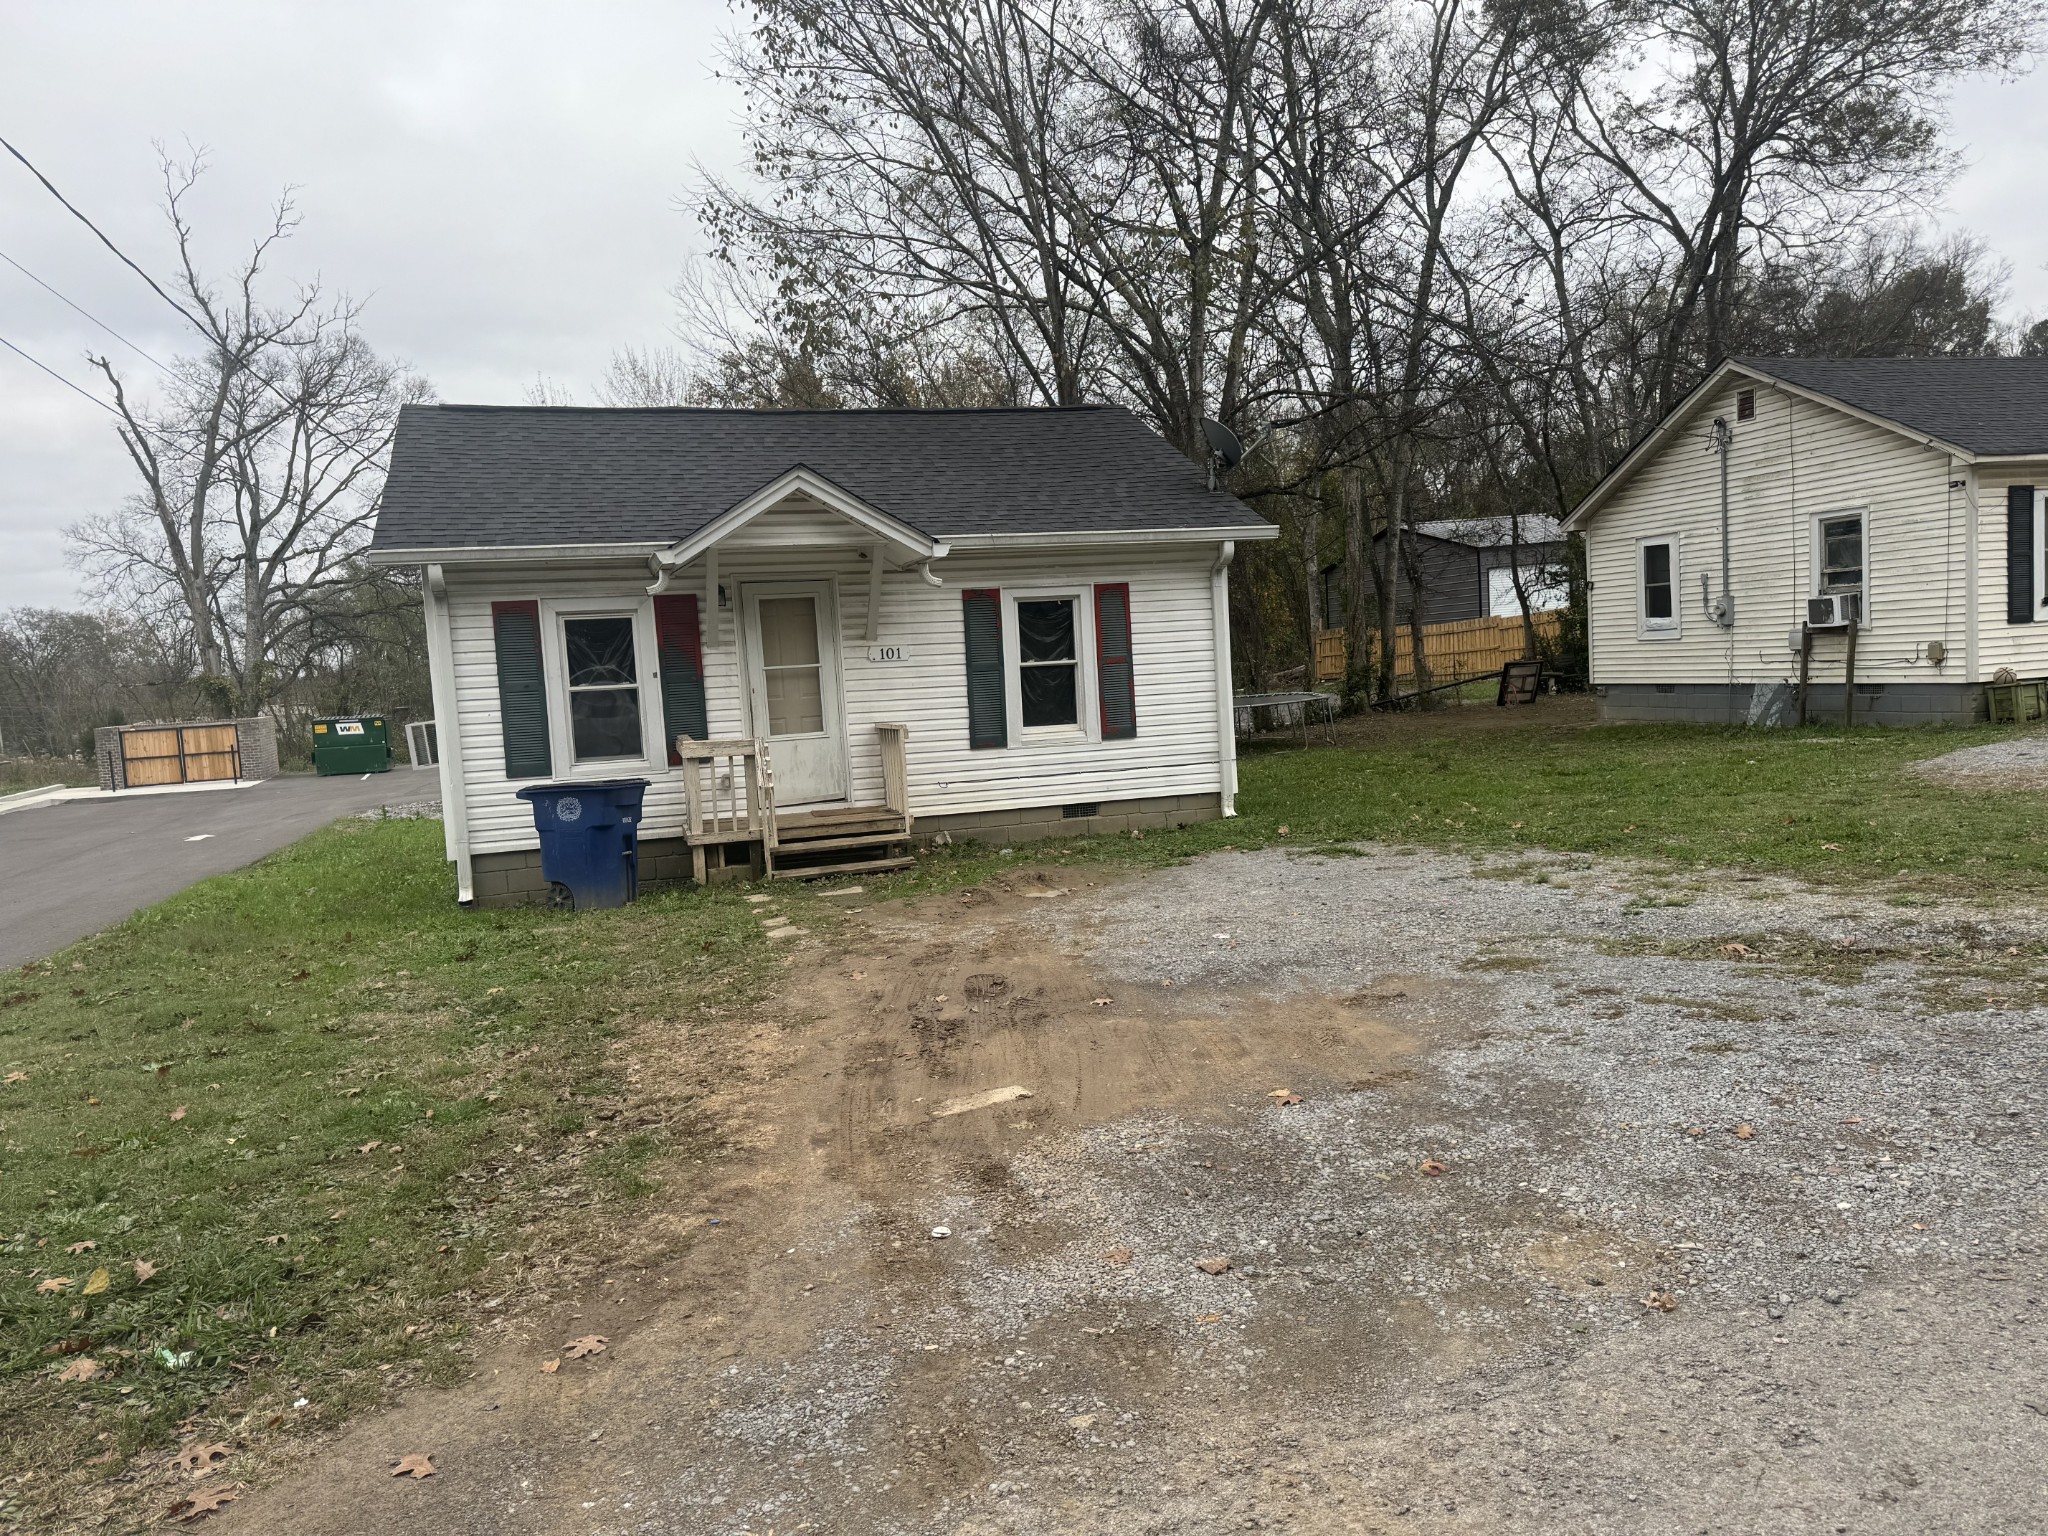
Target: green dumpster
[[351, 744]]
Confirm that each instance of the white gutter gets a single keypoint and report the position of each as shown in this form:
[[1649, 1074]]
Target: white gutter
[[448, 733], [1083, 539], [512, 554], [1226, 692]]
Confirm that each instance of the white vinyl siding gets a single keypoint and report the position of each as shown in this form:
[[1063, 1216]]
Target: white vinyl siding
[[2023, 647], [1173, 661], [1794, 462]]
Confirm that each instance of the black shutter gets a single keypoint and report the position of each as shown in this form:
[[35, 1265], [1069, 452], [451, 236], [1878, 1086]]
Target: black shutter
[[522, 690], [2019, 554], [988, 716], [1113, 661], [679, 643]]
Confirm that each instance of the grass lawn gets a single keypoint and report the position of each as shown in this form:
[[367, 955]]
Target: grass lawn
[[280, 1136], [1820, 803], [287, 1134], [20, 773]]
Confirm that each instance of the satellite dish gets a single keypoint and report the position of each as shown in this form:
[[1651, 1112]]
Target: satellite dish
[[1223, 443]]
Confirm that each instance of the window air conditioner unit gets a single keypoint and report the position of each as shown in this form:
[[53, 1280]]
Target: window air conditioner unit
[[1837, 610]]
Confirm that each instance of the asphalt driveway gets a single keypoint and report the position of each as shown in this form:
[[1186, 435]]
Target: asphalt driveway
[[77, 866]]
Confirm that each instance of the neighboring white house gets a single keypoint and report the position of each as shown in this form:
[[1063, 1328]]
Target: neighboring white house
[[1804, 512], [1003, 623]]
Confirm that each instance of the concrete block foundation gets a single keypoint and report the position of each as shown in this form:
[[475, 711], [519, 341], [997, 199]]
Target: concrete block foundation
[[1928, 703]]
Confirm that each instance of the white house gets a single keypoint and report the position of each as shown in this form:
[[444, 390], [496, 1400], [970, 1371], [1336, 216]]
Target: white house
[[1873, 523], [814, 631]]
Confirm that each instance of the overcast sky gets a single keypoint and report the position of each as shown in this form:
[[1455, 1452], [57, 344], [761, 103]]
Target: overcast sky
[[500, 180]]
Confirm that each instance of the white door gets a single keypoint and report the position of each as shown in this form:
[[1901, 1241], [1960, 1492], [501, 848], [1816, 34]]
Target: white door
[[793, 684]]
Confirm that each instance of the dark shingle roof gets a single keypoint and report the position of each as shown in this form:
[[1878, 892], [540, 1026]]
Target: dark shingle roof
[[478, 476], [1986, 405]]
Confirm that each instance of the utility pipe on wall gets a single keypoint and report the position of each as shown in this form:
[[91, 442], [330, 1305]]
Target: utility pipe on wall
[[1721, 609], [1226, 698]]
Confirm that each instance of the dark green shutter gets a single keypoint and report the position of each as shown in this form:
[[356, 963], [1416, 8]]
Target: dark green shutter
[[522, 690], [1113, 661], [680, 644], [2019, 554], [988, 715]]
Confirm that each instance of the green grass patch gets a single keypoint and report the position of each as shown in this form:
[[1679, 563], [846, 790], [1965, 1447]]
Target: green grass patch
[[1822, 804], [334, 1113]]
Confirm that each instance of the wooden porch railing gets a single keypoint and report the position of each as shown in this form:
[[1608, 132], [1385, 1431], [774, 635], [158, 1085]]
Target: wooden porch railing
[[728, 796], [896, 769]]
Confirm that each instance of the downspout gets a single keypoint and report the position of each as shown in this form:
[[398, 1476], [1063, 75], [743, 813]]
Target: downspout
[[448, 733], [1226, 701], [1971, 564]]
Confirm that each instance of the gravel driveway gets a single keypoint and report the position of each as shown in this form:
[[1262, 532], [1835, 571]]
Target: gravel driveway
[[1610, 1203]]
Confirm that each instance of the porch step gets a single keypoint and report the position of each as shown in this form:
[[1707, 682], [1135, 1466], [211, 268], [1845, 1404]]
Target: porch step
[[824, 844], [860, 867], [835, 827]]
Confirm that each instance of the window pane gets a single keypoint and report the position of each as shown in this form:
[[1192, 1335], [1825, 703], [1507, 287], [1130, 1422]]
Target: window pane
[[1045, 631], [789, 631], [1656, 581], [600, 651], [1841, 558], [795, 701], [605, 722], [1049, 693]]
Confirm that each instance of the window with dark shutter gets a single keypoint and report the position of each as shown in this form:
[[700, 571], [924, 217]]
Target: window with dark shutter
[[1113, 661], [988, 723], [522, 690], [2019, 554], [679, 642]]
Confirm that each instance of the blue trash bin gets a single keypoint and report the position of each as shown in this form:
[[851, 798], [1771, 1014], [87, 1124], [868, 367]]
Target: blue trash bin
[[589, 840]]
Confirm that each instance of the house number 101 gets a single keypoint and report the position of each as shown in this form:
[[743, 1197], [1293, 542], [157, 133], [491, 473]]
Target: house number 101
[[888, 653]]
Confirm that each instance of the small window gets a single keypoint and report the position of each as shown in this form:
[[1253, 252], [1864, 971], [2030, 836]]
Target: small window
[[1660, 584], [1745, 404], [604, 688], [1048, 662], [1841, 554]]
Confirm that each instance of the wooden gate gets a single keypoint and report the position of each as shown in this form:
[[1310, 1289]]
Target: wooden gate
[[179, 754]]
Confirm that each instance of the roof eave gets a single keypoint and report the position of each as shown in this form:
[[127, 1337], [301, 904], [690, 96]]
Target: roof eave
[[1612, 482], [508, 554]]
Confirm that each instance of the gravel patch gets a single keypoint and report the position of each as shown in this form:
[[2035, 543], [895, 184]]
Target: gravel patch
[[2020, 762]]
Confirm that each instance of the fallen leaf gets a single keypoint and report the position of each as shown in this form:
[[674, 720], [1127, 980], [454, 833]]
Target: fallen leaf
[[1216, 1266], [1737, 950], [143, 1270], [84, 1368], [1514, 826], [178, 1113], [1661, 1301], [1431, 1168], [53, 1285], [1284, 1096], [1832, 847], [857, 975], [200, 1457], [1082, 1421], [369, 1146], [1100, 1002], [1695, 1130], [1117, 1256], [96, 1282], [206, 1502], [415, 1467], [16, 1077], [589, 1344], [1209, 1317], [1743, 1132], [1282, 831], [549, 1367], [85, 1247]]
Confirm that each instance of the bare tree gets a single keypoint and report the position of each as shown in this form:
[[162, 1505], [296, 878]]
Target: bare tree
[[260, 464]]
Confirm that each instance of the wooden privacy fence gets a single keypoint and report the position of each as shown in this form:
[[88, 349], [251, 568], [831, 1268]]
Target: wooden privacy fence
[[1454, 652]]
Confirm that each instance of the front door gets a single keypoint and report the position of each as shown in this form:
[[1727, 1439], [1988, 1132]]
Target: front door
[[793, 686]]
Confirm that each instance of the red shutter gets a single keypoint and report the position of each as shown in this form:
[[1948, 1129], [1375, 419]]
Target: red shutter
[[1113, 681]]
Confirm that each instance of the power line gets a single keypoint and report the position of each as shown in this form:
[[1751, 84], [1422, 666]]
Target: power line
[[53, 373], [95, 319], [50, 187]]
